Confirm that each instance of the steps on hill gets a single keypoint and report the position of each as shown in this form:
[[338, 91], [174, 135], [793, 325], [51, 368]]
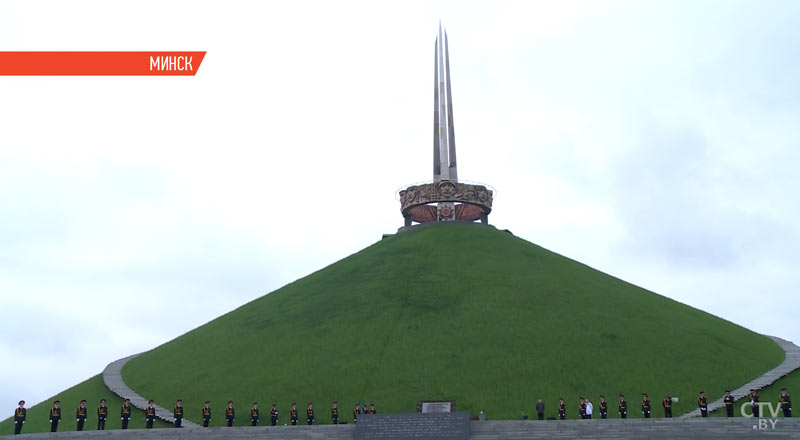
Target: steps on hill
[[789, 364], [112, 377]]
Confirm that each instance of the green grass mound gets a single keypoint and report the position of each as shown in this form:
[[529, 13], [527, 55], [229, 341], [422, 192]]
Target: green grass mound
[[92, 390], [770, 394], [452, 312]]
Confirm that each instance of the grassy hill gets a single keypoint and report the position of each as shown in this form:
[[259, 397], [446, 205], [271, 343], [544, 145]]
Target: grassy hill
[[92, 390], [452, 312]]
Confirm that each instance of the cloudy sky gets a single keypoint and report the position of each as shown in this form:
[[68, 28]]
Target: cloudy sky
[[656, 141]]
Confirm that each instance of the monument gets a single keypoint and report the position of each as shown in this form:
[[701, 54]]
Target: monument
[[445, 199]]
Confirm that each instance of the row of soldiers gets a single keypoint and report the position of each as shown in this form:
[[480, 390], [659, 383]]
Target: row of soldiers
[[586, 409], [81, 414]]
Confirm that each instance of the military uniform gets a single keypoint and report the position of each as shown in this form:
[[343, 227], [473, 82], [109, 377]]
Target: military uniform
[[253, 416], [786, 405], [309, 415], [335, 414], [102, 414], [206, 416], [728, 405], [55, 417], [646, 408], [582, 410], [355, 413], [754, 402], [603, 409], [562, 410], [20, 414], [273, 415], [702, 402], [623, 408], [372, 409], [293, 415], [667, 403], [177, 414], [125, 415], [149, 416], [229, 415], [80, 417]]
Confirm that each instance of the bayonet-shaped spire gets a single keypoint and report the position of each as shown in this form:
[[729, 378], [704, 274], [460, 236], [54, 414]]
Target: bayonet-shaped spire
[[444, 141]]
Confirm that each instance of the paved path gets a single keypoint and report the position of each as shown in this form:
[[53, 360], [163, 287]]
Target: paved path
[[112, 377], [672, 429], [789, 364]]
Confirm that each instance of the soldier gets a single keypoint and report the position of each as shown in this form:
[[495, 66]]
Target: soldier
[[645, 406], [177, 413], [309, 414], [582, 408], [786, 403], [335, 413], [293, 413], [623, 407], [102, 414], [754, 402], [229, 414], [206, 414], [603, 407], [19, 417], [125, 413], [273, 415], [702, 402], [55, 416], [80, 415], [728, 403], [254, 414], [562, 408], [667, 403], [356, 410], [149, 415], [540, 409], [372, 409]]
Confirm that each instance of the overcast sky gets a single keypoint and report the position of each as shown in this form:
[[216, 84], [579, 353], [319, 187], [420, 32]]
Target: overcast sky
[[656, 141]]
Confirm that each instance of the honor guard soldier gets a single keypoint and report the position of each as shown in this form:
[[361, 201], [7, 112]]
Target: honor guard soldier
[[786, 403], [372, 409], [623, 407], [335, 413], [702, 402], [645, 406], [309, 414], [293, 413], [667, 403], [254, 414], [19, 417], [582, 408], [102, 415], [273, 415], [55, 416], [177, 413], [80, 415], [356, 410], [149, 415], [728, 403], [603, 407], [229, 414], [125, 413], [754, 402], [562, 408], [206, 414]]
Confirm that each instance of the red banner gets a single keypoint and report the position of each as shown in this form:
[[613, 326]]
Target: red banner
[[100, 63]]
